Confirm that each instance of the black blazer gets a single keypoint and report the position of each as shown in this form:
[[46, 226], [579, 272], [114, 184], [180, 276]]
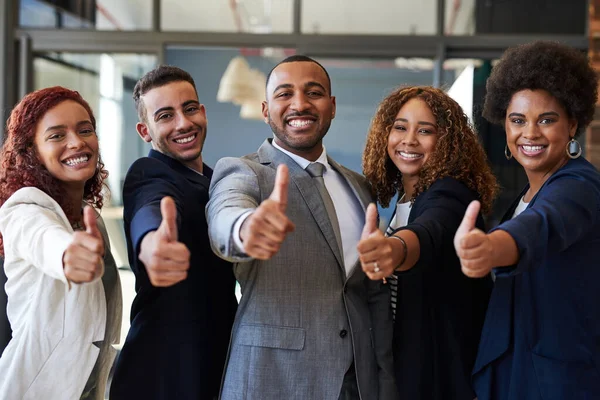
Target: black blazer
[[179, 335], [440, 311]]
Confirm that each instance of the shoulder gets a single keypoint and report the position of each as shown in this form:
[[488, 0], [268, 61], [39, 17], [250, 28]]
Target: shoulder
[[449, 187], [31, 196], [236, 165], [146, 165]]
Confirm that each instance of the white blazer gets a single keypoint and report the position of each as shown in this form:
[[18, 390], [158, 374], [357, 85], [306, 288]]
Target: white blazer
[[51, 353]]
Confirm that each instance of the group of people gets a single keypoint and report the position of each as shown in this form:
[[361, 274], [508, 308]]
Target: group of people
[[434, 307]]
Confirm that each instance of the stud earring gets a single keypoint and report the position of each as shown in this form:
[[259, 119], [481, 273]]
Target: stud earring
[[507, 152], [573, 149]]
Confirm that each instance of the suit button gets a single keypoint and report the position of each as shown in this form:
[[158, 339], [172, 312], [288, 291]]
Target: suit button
[[343, 333]]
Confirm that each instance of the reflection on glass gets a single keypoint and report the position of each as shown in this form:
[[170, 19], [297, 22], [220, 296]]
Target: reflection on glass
[[375, 17], [460, 17], [86, 14], [251, 16]]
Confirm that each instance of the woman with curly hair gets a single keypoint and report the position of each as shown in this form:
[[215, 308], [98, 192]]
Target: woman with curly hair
[[421, 147], [541, 338], [64, 293]]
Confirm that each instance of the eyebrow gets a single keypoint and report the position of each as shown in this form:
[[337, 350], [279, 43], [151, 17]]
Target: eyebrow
[[418, 122], [55, 127], [169, 108], [545, 114], [306, 86]]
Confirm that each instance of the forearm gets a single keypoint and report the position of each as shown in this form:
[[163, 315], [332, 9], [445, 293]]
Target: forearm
[[405, 257], [504, 249]]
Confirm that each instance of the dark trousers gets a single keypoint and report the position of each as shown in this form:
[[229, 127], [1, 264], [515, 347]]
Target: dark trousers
[[350, 385]]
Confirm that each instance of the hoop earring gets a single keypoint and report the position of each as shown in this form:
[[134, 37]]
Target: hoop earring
[[573, 149], [507, 152]]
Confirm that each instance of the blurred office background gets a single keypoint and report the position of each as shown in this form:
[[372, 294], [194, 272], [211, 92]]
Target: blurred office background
[[102, 47]]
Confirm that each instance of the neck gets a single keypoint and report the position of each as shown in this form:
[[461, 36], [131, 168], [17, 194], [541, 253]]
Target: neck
[[196, 164], [409, 183], [537, 179], [311, 154], [74, 199]]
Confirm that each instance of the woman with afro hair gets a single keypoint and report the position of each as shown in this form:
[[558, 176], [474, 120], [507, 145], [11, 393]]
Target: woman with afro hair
[[64, 293], [541, 337], [421, 147]]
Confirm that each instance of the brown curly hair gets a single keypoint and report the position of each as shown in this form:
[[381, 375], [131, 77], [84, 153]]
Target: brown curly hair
[[562, 71], [20, 165], [458, 153]]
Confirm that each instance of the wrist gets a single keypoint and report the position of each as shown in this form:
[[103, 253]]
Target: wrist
[[403, 250]]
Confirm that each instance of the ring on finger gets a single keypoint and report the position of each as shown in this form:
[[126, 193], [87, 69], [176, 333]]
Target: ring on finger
[[376, 267]]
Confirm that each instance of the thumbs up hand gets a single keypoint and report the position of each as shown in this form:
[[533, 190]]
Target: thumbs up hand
[[473, 246], [375, 251], [263, 231], [166, 260], [83, 258]]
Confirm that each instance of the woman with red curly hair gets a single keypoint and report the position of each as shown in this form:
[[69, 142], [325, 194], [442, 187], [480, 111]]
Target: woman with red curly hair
[[421, 147], [64, 294]]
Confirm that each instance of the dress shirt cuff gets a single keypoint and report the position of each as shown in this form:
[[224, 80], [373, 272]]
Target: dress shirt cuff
[[237, 227]]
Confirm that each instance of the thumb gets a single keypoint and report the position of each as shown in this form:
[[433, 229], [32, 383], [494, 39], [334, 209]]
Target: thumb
[[90, 222], [370, 221], [468, 222], [280, 191], [168, 226]]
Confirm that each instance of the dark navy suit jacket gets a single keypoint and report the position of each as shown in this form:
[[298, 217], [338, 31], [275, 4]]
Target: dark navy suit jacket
[[541, 338], [179, 335]]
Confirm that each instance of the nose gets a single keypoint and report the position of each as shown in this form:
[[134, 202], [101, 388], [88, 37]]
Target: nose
[[184, 124], [531, 131], [75, 141], [410, 138], [300, 102]]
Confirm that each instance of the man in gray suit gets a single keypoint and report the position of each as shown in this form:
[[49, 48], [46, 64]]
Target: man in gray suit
[[310, 325]]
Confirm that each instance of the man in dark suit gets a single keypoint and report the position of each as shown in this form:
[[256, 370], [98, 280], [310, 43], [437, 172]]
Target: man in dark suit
[[183, 311]]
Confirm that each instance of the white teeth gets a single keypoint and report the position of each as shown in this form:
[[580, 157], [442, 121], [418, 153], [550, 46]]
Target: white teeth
[[75, 161], [300, 123], [409, 155], [532, 148], [185, 140]]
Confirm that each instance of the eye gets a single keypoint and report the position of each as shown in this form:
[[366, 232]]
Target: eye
[[164, 116], [517, 121], [424, 131], [191, 109], [86, 131], [55, 136], [399, 128], [315, 94], [546, 121], [283, 95]]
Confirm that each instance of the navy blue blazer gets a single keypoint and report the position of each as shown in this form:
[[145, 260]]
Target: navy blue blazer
[[541, 338], [179, 335], [439, 310]]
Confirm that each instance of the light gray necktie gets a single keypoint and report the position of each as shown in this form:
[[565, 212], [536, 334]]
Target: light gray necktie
[[316, 171]]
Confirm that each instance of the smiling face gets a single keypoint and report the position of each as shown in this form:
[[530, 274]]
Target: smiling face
[[412, 139], [299, 107], [175, 122], [67, 145], [537, 131]]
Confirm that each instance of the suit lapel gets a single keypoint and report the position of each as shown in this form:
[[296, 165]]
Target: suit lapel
[[308, 190], [195, 177]]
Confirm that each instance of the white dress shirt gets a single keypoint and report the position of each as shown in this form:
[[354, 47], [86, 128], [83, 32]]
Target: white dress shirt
[[350, 213]]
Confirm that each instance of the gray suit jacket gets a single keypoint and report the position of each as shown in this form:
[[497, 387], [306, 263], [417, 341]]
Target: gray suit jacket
[[301, 321]]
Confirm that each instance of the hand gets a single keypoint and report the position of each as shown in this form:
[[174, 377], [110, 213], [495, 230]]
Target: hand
[[265, 229], [375, 251], [166, 260], [473, 246], [82, 260]]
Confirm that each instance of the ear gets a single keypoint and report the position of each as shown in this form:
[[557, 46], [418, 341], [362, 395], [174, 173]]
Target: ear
[[333, 107], [203, 110], [572, 128], [142, 130], [265, 112]]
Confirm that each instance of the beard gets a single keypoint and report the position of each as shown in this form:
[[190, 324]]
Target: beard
[[302, 142]]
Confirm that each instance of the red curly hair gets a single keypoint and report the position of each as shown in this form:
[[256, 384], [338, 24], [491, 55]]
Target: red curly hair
[[458, 153], [20, 165]]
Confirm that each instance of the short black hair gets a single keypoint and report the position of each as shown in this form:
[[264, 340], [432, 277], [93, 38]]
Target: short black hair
[[562, 71], [299, 58], [158, 77]]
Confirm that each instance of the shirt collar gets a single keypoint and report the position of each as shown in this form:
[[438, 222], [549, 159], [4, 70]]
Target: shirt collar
[[303, 162]]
